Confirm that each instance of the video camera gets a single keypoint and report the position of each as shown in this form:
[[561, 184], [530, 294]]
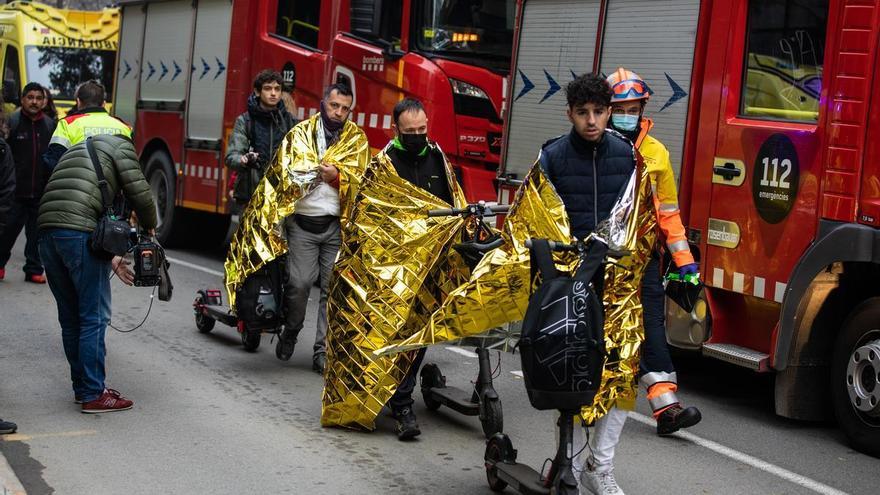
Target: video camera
[[150, 265]]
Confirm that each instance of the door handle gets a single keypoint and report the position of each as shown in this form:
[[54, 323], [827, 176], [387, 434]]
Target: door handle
[[728, 171]]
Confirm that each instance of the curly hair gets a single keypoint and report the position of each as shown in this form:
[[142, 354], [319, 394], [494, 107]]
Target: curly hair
[[588, 88], [267, 76]]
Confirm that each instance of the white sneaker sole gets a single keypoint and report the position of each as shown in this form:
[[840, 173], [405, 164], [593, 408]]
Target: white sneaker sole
[[99, 411]]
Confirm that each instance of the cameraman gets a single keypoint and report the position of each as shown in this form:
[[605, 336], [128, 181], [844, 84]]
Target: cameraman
[[257, 134], [79, 278]]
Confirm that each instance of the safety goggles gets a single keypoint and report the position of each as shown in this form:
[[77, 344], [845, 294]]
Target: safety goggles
[[631, 88]]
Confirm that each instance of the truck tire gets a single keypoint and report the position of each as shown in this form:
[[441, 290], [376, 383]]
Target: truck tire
[[855, 375], [163, 184]]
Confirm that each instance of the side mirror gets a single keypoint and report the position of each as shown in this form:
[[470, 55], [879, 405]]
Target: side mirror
[[391, 52], [11, 92]]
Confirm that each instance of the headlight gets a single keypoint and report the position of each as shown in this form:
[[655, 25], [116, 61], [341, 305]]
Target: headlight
[[465, 89]]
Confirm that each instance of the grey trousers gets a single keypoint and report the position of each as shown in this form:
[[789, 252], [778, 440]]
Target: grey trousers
[[310, 255]]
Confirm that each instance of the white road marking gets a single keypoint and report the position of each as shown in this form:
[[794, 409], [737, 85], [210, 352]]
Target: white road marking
[[517, 373], [754, 462], [463, 352], [195, 266]]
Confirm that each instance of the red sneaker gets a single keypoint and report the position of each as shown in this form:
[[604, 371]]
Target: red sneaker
[[109, 401], [2, 273], [34, 278]]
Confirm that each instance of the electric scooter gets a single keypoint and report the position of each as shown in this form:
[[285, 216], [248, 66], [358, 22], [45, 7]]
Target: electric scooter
[[502, 470], [483, 400], [263, 307]]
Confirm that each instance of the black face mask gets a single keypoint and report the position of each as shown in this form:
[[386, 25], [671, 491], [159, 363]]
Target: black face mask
[[329, 124], [413, 143]]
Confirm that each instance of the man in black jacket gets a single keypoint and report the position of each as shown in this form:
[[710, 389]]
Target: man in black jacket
[[421, 163], [29, 133], [7, 196], [257, 134]]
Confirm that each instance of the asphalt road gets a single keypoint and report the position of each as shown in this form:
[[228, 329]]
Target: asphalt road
[[212, 418]]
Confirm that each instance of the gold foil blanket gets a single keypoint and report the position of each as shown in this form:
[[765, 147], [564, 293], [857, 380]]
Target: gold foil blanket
[[499, 288], [394, 269], [293, 174]]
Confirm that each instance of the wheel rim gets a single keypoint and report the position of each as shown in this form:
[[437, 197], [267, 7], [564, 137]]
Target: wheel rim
[[159, 190], [863, 376]]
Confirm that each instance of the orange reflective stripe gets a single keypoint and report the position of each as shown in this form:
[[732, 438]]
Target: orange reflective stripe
[[661, 388]]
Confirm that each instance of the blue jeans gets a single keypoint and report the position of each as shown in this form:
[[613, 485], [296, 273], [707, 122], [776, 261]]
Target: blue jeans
[[655, 351], [23, 215], [80, 283]]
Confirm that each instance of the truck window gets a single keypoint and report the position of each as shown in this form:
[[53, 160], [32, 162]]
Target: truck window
[[785, 49], [61, 69], [377, 20], [11, 69], [297, 20]]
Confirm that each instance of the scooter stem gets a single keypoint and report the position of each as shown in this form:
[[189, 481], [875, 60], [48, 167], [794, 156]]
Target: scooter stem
[[564, 482]]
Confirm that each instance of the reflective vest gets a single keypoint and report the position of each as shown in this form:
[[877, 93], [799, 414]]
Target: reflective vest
[[92, 122], [656, 158]]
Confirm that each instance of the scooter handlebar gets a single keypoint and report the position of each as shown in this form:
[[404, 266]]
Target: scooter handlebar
[[565, 246], [488, 210]]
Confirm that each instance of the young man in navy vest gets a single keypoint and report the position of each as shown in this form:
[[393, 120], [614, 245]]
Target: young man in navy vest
[[589, 167]]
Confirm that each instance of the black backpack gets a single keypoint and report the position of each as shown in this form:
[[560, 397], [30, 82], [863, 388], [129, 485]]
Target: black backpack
[[261, 296], [562, 343]]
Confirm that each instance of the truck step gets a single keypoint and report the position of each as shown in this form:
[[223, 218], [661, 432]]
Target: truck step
[[738, 355]]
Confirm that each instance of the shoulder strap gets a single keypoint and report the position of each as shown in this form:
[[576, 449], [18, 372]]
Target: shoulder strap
[[102, 181], [251, 129], [542, 259], [591, 261]]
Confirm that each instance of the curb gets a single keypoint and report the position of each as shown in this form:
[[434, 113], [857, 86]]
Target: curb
[[9, 483]]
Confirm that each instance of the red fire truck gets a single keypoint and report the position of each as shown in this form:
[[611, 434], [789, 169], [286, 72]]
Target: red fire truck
[[186, 68], [772, 110]]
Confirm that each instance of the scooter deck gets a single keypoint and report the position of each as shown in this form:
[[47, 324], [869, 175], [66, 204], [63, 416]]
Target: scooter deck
[[221, 314], [522, 478], [456, 399]]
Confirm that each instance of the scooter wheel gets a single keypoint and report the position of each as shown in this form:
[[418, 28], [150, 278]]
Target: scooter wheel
[[203, 322], [491, 417], [496, 451], [250, 339], [431, 378]]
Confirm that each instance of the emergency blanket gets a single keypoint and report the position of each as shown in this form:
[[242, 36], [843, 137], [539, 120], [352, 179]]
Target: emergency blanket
[[293, 174], [395, 267], [499, 287]]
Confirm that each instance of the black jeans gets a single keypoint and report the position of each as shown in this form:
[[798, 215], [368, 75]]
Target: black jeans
[[655, 352], [403, 396], [23, 215]]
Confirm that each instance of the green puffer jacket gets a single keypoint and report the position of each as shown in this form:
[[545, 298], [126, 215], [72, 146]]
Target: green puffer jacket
[[72, 199]]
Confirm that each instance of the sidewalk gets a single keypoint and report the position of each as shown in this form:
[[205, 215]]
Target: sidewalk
[[9, 484]]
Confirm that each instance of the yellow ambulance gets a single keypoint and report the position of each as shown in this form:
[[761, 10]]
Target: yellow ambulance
[[58, 48]]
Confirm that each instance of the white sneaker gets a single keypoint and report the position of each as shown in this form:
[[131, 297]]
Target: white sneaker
[[599, 483]]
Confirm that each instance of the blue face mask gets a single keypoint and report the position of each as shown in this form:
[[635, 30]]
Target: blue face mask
[[624, 122]]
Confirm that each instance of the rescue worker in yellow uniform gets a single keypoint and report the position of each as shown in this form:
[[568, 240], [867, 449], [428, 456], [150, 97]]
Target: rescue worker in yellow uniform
[[630, 96], [89, 119]]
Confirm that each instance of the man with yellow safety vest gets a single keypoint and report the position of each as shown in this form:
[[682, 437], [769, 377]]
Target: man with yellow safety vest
[[630, 96], [89, 119]]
